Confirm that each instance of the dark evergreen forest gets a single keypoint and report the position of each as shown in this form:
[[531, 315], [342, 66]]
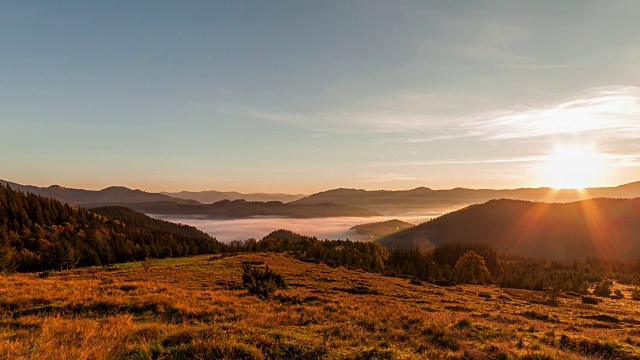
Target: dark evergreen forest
[[38, 233]]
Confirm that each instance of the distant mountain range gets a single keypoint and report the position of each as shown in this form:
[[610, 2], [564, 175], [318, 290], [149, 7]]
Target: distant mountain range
[[337, 202], [211, 196], [123, 195], [161, 204], [239, 209], [110, 195], [425, 199], [604, 228]]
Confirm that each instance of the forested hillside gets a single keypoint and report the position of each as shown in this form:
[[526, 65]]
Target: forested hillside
[[602, 228], [38, 233], [140, 220], [447, 264]]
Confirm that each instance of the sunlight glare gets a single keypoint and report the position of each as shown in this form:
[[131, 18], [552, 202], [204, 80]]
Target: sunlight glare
[[574, 167]]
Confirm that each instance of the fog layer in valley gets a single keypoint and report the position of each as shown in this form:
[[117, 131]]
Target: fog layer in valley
[[322, 228]]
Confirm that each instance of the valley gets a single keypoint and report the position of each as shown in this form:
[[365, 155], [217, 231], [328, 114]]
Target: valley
[[322, 228]]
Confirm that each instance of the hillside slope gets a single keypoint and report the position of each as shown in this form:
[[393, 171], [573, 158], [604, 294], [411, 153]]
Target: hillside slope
[[140, 220], [607, 228]]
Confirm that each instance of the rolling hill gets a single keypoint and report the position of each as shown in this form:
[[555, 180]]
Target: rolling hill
[[383, 228], [438, 201], [605, 228], [282, 235]]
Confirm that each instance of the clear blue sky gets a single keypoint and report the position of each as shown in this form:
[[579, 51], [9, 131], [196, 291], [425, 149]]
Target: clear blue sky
[[301, 96]]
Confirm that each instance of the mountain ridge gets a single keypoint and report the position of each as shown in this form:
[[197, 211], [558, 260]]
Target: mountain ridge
[[242, 209], [108, 195], [212, 196], [422, 198]]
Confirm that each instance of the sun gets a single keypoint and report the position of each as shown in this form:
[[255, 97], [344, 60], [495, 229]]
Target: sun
[[574, 167]]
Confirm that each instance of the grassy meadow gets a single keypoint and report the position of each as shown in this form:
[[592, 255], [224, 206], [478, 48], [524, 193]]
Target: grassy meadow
[[197, 308]]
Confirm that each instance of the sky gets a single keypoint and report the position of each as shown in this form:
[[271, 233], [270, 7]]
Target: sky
[[302, 96]]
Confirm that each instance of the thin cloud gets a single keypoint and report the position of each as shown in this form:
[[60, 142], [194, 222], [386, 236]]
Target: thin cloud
[[384, 178], [404, 113], [382, 122], [468, 162], [620, 160], [608, 114], [605, 112]]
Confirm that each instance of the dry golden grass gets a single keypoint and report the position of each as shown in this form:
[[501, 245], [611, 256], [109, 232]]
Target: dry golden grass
[[196, 308]]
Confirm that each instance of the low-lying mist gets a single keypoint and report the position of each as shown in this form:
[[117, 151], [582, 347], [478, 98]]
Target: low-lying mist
[[322, 228]]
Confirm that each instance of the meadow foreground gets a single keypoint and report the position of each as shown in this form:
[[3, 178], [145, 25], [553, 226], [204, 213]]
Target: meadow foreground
[[197, 308]]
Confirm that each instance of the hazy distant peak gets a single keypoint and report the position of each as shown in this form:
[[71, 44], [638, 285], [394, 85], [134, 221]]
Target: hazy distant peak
[[118, 188], [635, 184], [422, 188], [213, 196], [425, 199], [109, 195]]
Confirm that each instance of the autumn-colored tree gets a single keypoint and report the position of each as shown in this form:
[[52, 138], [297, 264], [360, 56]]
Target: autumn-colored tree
[[471, 269]]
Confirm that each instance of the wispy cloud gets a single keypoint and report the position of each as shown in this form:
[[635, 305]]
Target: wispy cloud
[[622, 160], [522, 159], [386, 178], [609, 113], [604, 112], [401, 113]]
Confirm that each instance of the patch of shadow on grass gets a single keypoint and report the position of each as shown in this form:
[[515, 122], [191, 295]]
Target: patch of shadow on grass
[[603, 318], [214, 350], [458, 308], [358, 290], [530, 314], [102, 309], [373, 354]]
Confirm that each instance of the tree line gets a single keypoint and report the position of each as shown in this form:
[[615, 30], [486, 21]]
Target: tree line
[[451, 263]]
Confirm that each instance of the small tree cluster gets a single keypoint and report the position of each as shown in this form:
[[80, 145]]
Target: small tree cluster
[[603, 288], [262, 283]]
